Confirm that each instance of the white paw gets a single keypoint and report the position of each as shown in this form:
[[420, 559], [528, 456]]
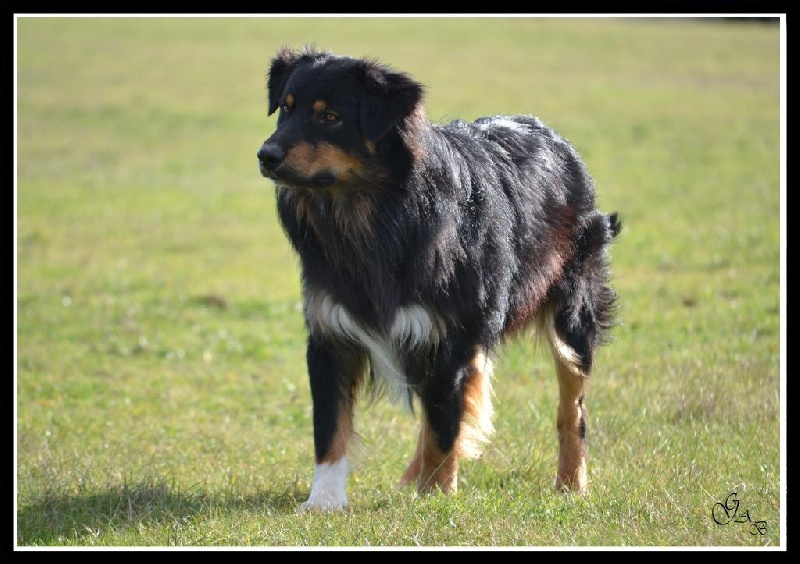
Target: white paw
[[328, 489], [322, 503]]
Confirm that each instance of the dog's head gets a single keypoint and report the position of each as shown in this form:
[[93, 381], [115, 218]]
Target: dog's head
[[333, 113]]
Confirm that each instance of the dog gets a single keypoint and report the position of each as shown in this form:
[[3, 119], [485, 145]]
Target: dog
[[422, 247]]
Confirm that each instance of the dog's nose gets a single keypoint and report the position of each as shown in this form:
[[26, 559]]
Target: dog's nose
[[270, 155]]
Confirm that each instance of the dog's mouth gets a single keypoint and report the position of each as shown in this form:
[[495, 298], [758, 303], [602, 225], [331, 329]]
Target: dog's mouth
[[291, 179], [323, 179]]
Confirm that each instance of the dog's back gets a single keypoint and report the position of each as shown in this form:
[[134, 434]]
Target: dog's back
[[421, 247], [521, 207]]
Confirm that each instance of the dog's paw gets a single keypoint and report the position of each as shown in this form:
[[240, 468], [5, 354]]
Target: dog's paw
[[323, 503], [570, 486], [328, 490]]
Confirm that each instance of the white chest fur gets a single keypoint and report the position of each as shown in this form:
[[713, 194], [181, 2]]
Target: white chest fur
[[413, 327]]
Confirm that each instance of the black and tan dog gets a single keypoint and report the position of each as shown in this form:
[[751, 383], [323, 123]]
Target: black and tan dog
[[421, 247]]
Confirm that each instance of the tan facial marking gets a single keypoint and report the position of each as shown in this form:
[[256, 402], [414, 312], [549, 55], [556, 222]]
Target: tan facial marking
[[320, 105], [310, 159]]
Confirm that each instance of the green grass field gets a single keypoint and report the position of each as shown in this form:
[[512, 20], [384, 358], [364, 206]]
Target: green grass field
[[161, 393]]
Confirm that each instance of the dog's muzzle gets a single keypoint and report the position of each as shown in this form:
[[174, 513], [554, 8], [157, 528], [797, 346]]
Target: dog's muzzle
[[271, 156]]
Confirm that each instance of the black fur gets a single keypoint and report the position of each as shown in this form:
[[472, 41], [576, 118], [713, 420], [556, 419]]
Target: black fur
[[489, 226]]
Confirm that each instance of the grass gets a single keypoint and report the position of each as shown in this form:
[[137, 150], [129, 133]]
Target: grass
[[161, 394]]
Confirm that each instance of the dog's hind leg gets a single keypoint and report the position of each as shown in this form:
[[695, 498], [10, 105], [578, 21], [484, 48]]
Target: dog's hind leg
[[577, 318], [571, 416], [456, 422]]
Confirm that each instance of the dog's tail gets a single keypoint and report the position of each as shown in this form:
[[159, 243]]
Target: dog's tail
[[598, 231], [590, 264], [614, 224]]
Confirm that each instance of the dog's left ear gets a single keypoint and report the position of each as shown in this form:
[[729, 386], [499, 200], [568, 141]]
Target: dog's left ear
[[388, 97], [279, 71]]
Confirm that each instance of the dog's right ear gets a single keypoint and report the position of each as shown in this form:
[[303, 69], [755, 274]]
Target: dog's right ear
[[279, 71]]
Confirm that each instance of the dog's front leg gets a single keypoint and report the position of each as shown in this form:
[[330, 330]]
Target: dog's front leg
[[334, 369], [456, 421]]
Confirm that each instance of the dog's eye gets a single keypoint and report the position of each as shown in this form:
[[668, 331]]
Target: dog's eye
[[328, 117], [285, 109]]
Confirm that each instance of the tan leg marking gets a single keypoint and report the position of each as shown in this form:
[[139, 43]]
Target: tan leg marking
[[571, 424], [432, 469], [344, 431]]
